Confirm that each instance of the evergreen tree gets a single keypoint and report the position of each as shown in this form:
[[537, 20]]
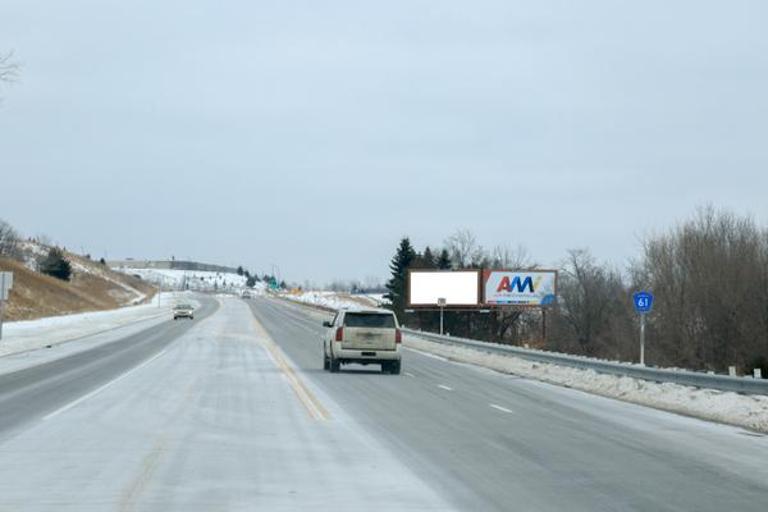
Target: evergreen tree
[[402, 259], [444, 260], [423, 260], [240, 270], [428, 259], [56, 265], [250, 282]]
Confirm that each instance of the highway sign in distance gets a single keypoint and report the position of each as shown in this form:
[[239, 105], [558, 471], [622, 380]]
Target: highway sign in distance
[[643, 302]]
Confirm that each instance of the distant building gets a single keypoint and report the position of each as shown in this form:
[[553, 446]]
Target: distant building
[[170, 265]]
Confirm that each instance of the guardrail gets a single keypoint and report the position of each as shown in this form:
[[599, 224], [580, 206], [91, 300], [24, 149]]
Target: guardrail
[[746, 385]]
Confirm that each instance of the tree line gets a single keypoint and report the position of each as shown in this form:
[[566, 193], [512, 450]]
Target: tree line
[[709, 275]]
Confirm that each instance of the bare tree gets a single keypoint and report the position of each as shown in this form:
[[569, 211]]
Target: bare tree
[[463, 248], [710, 277], [518, 258], [592, 306], [9, 68], [9, 241]]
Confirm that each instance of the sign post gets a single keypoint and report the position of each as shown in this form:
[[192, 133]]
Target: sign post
[[441, 302], [6, 283], [643, 305]]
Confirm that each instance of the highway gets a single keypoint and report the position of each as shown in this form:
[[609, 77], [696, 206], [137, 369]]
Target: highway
[[28, 393], [487, 441], [233, 412]]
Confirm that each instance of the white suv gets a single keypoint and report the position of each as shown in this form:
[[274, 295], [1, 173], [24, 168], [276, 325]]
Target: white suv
[[362, 337]]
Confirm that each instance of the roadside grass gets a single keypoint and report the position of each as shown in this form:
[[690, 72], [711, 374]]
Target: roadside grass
[[93, 287]]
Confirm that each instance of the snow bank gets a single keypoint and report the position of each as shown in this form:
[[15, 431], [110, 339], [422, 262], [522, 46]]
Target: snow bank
[[324, 299], [750, 411], [333, 300], [33, 334]]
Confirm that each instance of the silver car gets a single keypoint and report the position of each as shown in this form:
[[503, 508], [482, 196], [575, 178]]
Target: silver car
[[183, 311]]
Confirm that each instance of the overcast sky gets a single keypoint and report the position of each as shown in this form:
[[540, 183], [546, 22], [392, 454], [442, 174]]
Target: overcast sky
[[313, 135]]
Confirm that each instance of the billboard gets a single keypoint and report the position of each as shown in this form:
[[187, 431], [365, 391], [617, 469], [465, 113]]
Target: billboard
[[458, 288], [519, 288]]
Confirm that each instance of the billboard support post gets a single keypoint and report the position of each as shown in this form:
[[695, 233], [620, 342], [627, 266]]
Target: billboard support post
[[441, 302]]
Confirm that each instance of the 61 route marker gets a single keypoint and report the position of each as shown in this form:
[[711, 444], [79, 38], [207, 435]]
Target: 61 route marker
[[643, 302], [643, 305]]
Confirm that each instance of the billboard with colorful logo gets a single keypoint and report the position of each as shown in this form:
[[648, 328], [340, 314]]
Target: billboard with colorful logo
[[519, 288]]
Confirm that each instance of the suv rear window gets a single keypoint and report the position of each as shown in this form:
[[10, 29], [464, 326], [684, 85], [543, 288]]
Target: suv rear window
[[381, 320]]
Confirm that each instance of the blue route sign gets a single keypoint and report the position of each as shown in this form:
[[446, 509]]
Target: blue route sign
[[643, 302]]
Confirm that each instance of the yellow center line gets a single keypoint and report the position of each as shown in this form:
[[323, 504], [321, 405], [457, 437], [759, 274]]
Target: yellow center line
[[310, 402]]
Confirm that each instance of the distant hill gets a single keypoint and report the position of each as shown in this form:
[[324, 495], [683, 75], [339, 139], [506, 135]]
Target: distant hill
[[93, 287]]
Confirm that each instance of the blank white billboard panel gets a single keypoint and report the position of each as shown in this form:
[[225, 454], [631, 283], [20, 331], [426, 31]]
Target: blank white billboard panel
[[458, 288]]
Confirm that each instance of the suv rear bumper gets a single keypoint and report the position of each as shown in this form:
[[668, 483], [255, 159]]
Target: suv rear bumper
[[365, 356]]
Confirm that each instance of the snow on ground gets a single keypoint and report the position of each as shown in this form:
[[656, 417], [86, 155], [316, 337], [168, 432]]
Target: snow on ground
[[33, 334], [378, 298], [321, 298], [334, 300], [79, 267], [192, 279], [749, 411], [31, 252]]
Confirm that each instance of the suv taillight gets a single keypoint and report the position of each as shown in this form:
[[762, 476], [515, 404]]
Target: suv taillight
[[398, 336], [339, 334]]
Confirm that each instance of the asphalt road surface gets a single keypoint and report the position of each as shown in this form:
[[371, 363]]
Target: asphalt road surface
[[233, 412]]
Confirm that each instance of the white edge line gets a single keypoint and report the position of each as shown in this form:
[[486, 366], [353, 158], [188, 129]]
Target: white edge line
[[443, 386], [101, 388], [500, 408], [409, 374], [428, 354]]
